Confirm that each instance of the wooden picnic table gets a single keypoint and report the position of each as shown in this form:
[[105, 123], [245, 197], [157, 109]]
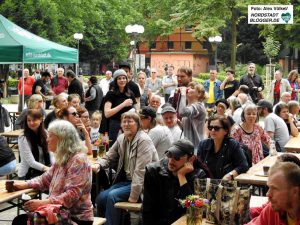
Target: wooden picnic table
[[254, 175], [13, 133], [293, 145], [182, 221], [7, 197]]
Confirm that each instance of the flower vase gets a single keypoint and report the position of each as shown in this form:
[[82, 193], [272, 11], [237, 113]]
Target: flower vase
[[194, 216], [101, 151]]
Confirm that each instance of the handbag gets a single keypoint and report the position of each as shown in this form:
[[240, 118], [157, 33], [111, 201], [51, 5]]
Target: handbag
[[59, 216], [229, 203]]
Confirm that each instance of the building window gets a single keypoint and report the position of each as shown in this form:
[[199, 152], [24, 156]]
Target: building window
[[188, 28], [188, 45], [170, 45], [153, 45]]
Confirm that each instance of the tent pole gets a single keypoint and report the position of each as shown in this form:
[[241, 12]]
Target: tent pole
[[23, 79]]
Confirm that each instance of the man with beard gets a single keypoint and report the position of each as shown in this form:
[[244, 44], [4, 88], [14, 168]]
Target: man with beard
[[284, 196], [254, 82], [184, 77]]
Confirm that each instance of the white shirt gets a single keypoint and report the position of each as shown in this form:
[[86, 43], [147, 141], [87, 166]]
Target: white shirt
[[104, 85]]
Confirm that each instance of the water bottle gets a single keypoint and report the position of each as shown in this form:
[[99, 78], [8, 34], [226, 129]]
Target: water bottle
[[273, 151]]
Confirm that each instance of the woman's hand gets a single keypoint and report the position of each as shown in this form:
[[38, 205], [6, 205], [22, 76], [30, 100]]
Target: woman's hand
[[32, 205], [20, 185], [128, 102]]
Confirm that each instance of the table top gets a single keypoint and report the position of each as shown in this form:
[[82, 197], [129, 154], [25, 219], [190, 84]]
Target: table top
[[182, 221], [255, 175], [13, 133], [293, 145], [8, 196]]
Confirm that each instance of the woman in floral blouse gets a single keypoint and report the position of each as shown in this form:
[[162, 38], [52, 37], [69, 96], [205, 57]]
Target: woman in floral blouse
[[68, 180], [250, 133]]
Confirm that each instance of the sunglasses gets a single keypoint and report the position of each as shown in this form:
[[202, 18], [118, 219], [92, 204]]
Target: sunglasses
[[74, 114], [216, 128], [170, 155]]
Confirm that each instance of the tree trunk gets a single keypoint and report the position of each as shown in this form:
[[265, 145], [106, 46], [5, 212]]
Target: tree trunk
[[233, 38]]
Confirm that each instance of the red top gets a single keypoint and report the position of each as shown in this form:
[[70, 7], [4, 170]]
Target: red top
[[277, 89], [61, 86], [29, 81], [269, 217]]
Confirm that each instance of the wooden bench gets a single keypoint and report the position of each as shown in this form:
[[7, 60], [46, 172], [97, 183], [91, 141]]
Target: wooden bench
[[129, 207], [133, 208], [99, 221]]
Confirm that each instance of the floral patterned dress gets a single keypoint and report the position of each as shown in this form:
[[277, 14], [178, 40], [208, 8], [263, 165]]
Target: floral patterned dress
[[252, 140]]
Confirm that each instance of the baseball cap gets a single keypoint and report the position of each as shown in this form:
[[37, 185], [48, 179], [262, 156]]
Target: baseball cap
[[180, 148], [124, 64], [148, 111], [264, 104], [168, 109]]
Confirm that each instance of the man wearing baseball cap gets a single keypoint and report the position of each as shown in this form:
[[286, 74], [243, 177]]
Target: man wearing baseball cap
[[160, 135], [167, 180], [170, 120]]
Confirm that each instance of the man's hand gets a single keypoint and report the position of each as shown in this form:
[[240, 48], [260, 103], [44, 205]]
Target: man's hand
[[187, 168], [132, 200]]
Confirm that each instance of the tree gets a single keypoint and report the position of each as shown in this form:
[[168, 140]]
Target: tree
[[209, 16]]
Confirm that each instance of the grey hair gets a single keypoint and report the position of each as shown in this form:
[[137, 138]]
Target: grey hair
[[69, 142]]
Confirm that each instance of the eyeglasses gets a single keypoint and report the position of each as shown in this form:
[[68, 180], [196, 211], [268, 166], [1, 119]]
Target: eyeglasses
[[216, 128], [74, 114], [170, 155]]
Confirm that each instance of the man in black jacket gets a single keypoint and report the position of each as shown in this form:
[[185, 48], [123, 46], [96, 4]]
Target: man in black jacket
[[254, 82], [167, 181], [75, 86], [93, 96]]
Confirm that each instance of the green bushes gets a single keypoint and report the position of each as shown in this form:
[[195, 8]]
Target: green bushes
[[12, 83]]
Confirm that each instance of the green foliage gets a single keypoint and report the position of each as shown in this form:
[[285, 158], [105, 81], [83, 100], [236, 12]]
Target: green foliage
[[12, 82], [271, 47], [102, 23]]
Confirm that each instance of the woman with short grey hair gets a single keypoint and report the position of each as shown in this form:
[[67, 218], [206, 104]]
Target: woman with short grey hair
[[69, 180]]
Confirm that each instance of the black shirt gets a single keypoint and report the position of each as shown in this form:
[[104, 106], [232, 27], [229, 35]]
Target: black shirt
[[116, 99], [134, 88], [41, 84], [230, 88]]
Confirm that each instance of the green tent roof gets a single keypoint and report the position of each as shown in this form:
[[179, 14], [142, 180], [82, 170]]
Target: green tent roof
[[18, 45]]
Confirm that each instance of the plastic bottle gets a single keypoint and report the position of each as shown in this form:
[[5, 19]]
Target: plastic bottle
[[272, 151]]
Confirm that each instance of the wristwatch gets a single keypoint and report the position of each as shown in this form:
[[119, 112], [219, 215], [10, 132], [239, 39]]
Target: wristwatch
[[231, 175]]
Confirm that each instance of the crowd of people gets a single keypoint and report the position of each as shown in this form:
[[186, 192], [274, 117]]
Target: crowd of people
[[215, 130]]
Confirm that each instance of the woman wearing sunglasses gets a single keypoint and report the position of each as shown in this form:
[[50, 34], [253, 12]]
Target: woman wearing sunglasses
[[223, 155], [70, 114]]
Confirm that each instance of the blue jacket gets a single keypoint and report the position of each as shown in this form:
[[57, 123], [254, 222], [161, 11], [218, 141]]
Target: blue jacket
[[218, 93]]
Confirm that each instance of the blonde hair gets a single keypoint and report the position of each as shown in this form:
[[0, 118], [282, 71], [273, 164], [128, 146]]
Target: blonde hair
[[200, 89], [97, 114], [69, 142], [34, 100]]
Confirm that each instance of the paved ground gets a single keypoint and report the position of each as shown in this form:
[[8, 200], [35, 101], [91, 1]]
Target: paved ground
[[7, 216]]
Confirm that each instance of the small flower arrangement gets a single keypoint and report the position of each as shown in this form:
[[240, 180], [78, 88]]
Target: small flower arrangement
[[102, 143], [194, 201], [194, 205]]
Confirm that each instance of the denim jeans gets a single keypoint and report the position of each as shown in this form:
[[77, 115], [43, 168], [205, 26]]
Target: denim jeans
[[106, 201], [8, 168]]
